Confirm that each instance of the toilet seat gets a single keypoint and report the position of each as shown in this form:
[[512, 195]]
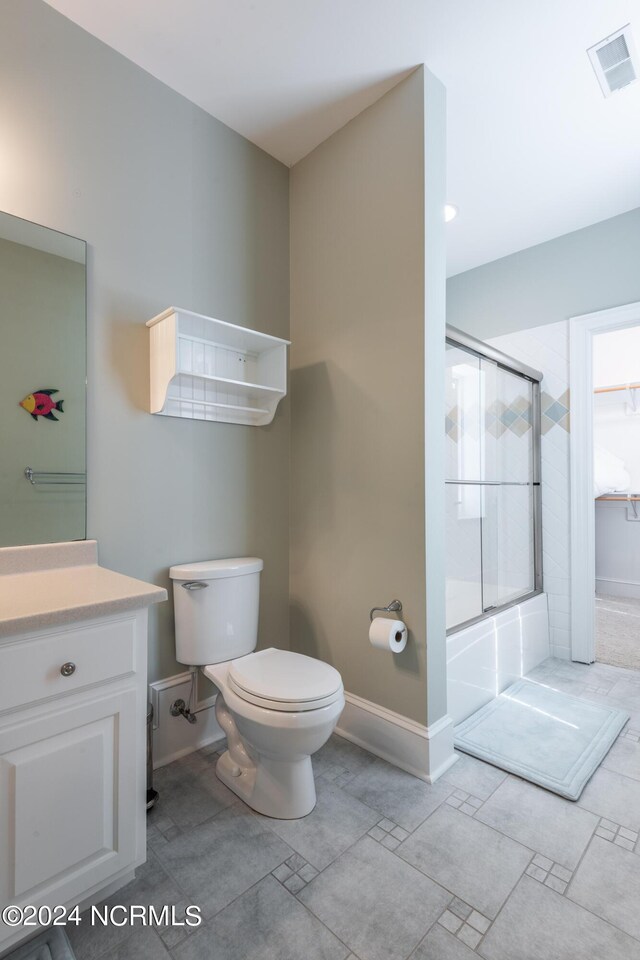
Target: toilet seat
[[283, 681]]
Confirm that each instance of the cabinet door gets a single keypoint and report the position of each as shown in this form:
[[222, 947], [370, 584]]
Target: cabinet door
[[68, 799]]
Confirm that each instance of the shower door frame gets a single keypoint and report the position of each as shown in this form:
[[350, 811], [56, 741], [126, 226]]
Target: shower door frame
[[486, 352]]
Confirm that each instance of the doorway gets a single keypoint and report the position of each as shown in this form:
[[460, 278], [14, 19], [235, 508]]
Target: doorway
[[599, 468]]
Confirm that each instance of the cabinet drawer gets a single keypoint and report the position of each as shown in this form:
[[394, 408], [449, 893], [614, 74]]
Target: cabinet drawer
[[31, 669]]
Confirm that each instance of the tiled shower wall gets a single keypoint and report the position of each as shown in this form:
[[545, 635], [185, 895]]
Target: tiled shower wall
[[547, 349]]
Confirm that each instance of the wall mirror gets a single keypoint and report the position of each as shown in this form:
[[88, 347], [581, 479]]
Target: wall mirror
[[42, 384]]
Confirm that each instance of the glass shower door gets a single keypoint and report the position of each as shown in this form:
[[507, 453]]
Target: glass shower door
[[492, 485], [464, 501], [508, 520]]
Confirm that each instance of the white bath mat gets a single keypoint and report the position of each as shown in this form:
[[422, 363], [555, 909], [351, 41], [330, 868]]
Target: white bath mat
[[542, 735]]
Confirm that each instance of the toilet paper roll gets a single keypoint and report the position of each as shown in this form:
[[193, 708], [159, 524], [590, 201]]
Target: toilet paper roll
[[388, 634]]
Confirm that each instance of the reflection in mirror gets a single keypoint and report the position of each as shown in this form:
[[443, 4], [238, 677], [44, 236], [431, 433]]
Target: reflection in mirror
[[42, 384]]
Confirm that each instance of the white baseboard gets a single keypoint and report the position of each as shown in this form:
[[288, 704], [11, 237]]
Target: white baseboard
[[618, 588], [425, 752], [174, 737]]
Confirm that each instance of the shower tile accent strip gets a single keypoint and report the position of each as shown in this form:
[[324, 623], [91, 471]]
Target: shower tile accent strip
[[554, 411]]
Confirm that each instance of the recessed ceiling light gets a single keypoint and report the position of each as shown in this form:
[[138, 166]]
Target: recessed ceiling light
[[450, 212]]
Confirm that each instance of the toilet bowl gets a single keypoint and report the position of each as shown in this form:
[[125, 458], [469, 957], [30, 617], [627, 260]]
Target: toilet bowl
[[277, 708], [286, 710]]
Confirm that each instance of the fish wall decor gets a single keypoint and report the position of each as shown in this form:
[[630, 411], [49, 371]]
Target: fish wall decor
[[40, 404]]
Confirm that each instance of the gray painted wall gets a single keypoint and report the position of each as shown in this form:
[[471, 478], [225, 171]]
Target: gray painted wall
[[580, 272], [176, 209], [358, 333]]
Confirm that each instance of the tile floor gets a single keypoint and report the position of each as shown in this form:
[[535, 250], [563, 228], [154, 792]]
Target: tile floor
[[481, 864]]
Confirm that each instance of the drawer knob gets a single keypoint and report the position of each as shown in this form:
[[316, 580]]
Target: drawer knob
[[67, 669]]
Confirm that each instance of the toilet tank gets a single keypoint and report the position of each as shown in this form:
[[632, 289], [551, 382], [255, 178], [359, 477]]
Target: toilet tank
[[216, 609]]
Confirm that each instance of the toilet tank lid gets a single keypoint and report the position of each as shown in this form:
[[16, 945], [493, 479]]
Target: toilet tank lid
[[216, 569]]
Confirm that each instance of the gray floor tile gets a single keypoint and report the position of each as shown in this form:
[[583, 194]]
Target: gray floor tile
[[460, 908], [152, 885], [539, 924], [337, 821], [609, 794], [624, 758], [469, 936], [397, 795], [468, 858], [265, 923], [296, 862], [308, 873], [189, 791], [441, 945], [479, 922], [378, 905], [339, 754], [282, 873], [220, 859], [450, 921], [607, 882], [143, 944], [540, 820], [474, 776], [627, 689], [294, 883]]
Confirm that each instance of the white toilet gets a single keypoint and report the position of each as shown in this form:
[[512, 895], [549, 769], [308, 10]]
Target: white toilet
[[275, 707]]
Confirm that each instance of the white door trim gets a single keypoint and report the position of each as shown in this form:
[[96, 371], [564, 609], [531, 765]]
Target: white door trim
[[582, 329]]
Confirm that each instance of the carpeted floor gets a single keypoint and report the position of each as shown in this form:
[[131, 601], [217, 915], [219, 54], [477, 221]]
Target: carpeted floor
[[618, 631]]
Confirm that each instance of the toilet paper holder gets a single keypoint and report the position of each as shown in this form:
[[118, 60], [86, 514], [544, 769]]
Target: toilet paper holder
[[394, 607]]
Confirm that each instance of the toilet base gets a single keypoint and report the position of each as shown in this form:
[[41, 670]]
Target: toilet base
[[282, 789]]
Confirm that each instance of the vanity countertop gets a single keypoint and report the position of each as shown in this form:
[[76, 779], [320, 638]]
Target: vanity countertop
[[73, 588]]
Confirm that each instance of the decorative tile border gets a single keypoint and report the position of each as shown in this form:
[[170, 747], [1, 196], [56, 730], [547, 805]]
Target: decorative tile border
[[552, 874], [295, 873], [388, 833], [464, 922], [515, 416], [621, 836], [464, 802], [554, 411]]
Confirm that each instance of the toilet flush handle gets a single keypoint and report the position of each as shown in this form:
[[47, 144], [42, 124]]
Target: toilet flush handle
[[194, 585]]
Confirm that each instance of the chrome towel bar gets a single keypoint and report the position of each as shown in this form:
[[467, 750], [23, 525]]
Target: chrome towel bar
[[48, 476]]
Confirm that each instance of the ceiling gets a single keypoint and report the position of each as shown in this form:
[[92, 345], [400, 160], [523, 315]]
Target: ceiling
[[534, 149]]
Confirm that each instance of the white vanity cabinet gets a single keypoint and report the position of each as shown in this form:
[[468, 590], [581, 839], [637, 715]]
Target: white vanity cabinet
[[73, 700], [72, 771]]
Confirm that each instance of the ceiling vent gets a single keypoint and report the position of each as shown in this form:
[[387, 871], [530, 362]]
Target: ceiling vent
[[615, 61]]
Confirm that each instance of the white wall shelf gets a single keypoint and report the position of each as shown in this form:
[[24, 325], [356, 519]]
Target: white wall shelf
[[206, 369]]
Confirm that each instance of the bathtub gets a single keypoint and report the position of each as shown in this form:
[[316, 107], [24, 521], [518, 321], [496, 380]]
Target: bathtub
[[485, 658]]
